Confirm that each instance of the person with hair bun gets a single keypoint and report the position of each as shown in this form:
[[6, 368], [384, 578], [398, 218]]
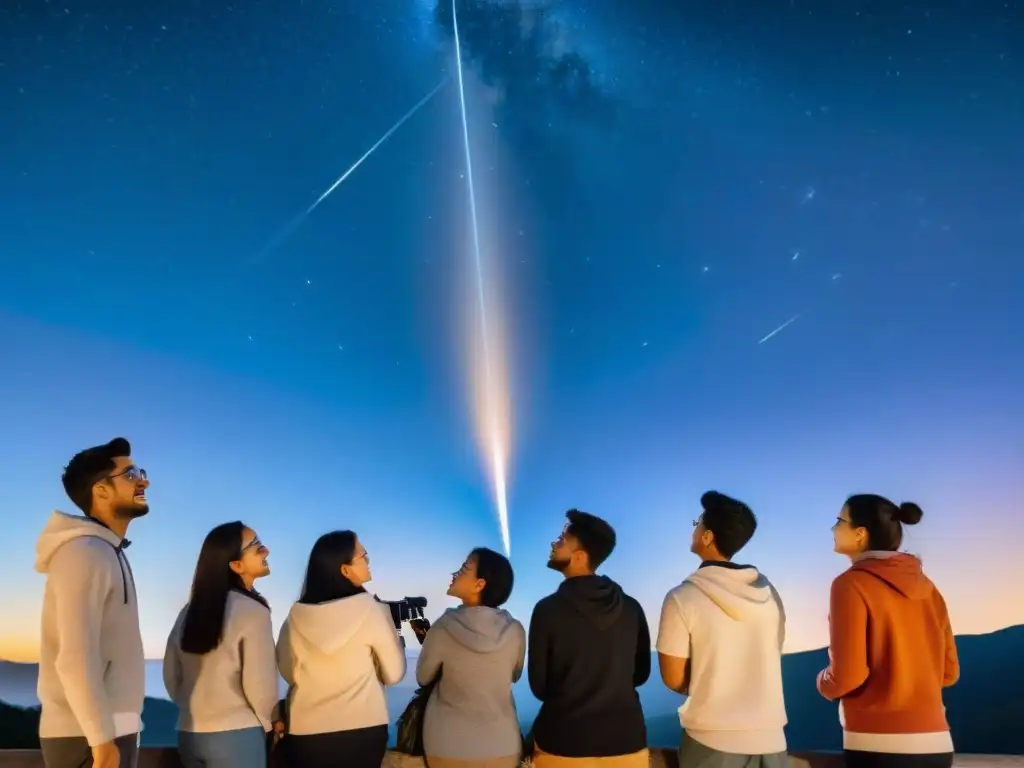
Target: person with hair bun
[[891, 646]]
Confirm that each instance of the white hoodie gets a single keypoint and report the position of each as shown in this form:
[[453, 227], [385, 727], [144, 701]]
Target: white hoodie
[[729, 622], [92, 671], [336, 658]]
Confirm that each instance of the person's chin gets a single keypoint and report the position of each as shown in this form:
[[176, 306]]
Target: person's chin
[[137, 510], [556, 565]]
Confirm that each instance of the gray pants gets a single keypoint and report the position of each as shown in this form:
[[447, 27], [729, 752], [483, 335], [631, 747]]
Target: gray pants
[[243, 748], [75, 752], [693, 754]]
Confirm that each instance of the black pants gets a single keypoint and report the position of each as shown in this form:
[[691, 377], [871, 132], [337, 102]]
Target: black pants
[[359, 748], [75, 752], [855, 759]]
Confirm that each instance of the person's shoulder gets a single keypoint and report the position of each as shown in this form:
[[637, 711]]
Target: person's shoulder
[[632, 603], [683, 593], [516, 627], [853, 581], [546, 605], [86, 554], [247, 609]]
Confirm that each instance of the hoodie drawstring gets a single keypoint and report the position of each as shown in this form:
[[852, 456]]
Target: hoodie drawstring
[[122, 562]]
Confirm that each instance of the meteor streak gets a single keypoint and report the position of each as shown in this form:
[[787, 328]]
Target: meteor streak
[[293, 225], [780, 329], [492, 427]]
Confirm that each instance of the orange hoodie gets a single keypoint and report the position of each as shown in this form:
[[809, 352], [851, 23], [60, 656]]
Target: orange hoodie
[[891, 647]]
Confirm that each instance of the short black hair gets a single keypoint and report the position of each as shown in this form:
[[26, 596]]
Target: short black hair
[[731, 521], [88, 467], [496, 570], [596, 536]]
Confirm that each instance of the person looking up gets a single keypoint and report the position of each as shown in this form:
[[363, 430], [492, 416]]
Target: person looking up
[[891, 646], [478, 650], [337, 650], [720, 642], [589, 650], [92, 670], [219, 665]]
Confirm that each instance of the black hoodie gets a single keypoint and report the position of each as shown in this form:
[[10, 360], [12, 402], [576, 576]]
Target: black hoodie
[[590, 649]]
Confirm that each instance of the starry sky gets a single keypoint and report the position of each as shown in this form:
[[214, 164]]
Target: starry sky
[[660, 186]]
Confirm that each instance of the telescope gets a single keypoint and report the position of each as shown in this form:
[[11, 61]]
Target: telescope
[[406, 609]]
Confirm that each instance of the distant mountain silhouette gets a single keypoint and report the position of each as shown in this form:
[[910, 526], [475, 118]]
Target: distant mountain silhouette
[[985, 708], [19, 726]]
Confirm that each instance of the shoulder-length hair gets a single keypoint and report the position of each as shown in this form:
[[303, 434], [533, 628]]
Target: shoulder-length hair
[[324, 581], [203, 626]]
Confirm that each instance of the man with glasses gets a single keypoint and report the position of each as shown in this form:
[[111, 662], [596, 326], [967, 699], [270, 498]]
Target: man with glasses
[[720, 642], [91, 668]]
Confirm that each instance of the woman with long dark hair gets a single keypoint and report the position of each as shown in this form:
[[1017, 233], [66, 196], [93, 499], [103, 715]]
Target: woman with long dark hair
[[219, 665], [891, 647], [337, 650], [478, 649]]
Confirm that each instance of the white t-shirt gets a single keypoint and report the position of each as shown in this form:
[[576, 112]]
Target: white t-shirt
[[729, 622]]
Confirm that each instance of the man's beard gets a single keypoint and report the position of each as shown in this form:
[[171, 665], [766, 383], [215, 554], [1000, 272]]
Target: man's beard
[[558, 565], [131, 511]]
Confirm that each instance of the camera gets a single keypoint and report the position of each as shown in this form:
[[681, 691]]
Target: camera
[[406, 609]]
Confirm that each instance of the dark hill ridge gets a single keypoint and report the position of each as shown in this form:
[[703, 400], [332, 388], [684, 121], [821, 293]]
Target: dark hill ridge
[[985, 708]]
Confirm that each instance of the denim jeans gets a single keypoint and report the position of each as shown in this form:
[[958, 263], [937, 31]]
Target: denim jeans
[[243, 748]]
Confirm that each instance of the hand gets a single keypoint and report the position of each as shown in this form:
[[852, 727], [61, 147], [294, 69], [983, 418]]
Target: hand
[[278, 731], [106, 755], [420, 627]]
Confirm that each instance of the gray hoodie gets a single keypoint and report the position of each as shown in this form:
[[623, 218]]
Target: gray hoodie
[[92, 671], [471, 714]]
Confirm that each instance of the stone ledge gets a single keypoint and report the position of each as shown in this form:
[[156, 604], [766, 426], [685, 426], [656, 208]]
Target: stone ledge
[[167, 757]]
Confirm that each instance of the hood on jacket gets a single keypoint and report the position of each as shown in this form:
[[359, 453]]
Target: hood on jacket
[[902, 572], [329, 626], [62, 528], [478, 628], [739, 592], [598, 598]]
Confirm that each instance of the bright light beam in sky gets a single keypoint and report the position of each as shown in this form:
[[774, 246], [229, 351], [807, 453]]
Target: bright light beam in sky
[[780, 329], [492, 430], [294, 223]]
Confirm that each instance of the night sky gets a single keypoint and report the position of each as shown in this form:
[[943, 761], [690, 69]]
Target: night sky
[[660, 187]]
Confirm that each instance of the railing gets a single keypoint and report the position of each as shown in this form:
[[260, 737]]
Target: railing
[[167, 757]]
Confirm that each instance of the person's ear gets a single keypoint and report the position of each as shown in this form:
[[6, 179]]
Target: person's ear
[[346, 571], [236, 566], [479, 585], [102, 491]]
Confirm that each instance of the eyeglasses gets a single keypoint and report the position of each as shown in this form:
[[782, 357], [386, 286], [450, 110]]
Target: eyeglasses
[[364, 554], [255, 544], [839, 521], [132, 474]]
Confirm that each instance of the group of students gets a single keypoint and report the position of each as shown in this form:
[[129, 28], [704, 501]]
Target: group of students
[[719, 642]]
